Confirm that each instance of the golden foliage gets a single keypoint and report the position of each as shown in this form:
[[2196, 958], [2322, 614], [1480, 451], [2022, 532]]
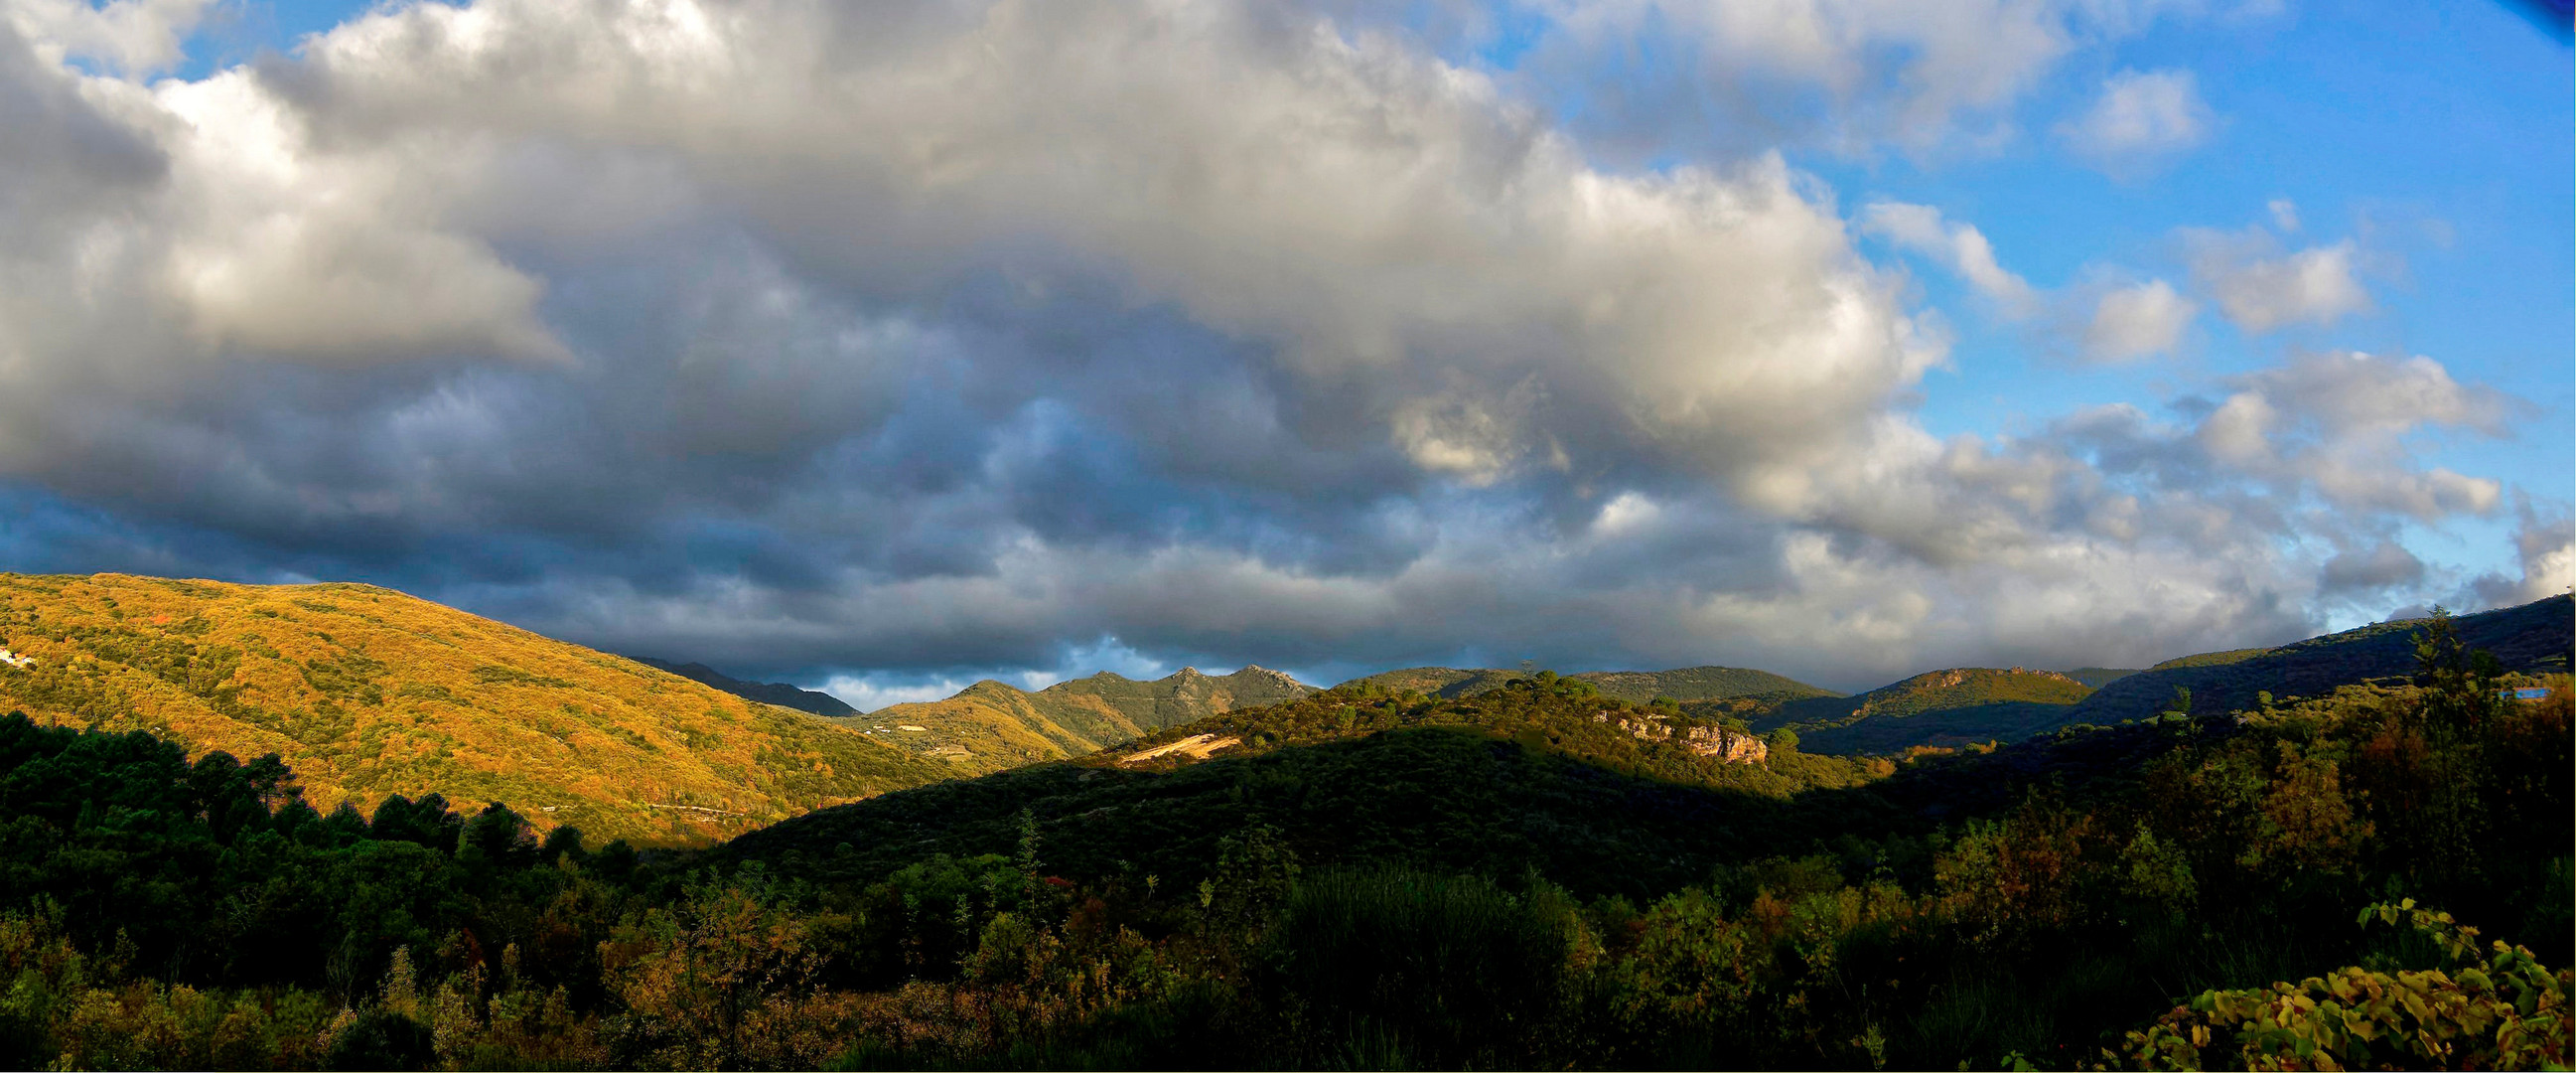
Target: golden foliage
[[368, 693], [990, 726]]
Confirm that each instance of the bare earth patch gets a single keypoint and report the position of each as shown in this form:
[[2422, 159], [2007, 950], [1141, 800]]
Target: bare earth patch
[[1196, 747]]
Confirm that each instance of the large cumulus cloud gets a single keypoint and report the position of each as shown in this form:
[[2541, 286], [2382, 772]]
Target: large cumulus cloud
[[939, 335]]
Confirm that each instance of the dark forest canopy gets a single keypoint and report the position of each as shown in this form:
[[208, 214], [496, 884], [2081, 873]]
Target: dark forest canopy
[[1514, 879]]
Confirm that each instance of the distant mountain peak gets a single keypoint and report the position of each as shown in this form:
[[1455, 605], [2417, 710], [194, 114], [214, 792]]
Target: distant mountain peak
[[989, 725], [1264, 674], [778, 693]]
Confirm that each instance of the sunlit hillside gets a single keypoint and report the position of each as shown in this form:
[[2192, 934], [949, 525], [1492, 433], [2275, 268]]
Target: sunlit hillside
[[990, 726], [367, 692]]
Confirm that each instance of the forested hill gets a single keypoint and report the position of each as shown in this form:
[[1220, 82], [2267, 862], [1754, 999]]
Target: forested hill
[[1443, 681], [367, 693], [2051, 898], [1538, 876], [1762, 688], [2097, 677], [778, 693], [2535, 638], [1949, 707], [1601, 794], [1701, 684], [990, 725]]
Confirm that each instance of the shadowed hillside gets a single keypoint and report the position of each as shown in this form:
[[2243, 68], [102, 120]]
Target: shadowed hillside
[[1565, 715], [2534, 638], [778, 693], [2097, 677], [1762, 688], [1951, 707], [1545, 770], [990, 726], [367, 692]]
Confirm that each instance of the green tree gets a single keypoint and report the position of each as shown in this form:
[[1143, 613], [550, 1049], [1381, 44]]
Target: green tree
[[2459, 681]]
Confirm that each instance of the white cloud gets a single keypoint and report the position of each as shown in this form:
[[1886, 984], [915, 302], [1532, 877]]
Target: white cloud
[[1373, 215], [2547, 548], [1960, 247], [276, 248], [932, 335], [2285, 214], [2336, 425], [2136, 321], [2261, 289], [2240, 431], [2141, 116], [137, 36], [2359, 394], [1915, 74]]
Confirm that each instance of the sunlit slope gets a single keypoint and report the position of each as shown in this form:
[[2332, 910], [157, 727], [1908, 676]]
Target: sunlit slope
[[2534, 639], [990, 726], [1947, 707], [367, 692]]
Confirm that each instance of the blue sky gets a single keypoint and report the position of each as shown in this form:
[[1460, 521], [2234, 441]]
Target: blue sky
[[892, 346]]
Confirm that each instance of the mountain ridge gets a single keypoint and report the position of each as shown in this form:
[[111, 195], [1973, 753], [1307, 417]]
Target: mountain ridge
[[2532, 638], [991, 725], [779, 693], [1951, 706], [1703, 683]]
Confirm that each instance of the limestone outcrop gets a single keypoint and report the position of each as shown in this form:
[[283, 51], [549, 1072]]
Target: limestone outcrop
[[1725, 744]]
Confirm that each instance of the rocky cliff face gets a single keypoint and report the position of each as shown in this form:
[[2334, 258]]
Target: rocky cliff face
[[1731, 746], [1721, 743]]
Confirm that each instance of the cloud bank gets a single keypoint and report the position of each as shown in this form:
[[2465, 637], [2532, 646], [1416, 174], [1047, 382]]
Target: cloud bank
[[921, 338]]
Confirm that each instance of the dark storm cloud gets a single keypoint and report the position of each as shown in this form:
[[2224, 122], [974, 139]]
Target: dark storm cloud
[[2378, 567]]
